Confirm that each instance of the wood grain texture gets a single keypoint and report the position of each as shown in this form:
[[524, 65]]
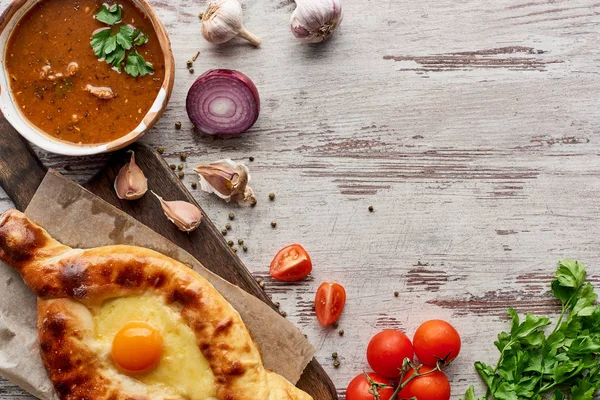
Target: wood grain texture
[[472, 127], [21, 172]]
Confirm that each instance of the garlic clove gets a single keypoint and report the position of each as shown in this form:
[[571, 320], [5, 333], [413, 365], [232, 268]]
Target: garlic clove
[[224, 178], [228, 180], [219, 178], [222, 21], [184, 215], [246, 198], [315, 20], [130, 183]]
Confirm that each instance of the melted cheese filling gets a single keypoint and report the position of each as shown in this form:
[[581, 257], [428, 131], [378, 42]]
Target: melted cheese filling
[[182, 371]]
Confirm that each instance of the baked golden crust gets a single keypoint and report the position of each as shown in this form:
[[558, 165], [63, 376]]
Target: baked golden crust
[[69, 282]]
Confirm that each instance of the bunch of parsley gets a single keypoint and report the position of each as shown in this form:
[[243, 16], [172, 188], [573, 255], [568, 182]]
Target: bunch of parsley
[[114, 47], [564, 364]]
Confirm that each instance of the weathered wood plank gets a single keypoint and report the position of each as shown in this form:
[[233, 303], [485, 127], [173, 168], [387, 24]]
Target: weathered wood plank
[[470, 126], [21, 173]]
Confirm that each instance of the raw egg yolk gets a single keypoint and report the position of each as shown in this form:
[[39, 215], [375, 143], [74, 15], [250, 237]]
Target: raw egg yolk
[[137, 347]]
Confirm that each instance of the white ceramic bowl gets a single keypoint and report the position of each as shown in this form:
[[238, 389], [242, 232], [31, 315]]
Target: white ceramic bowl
[[8, 20]]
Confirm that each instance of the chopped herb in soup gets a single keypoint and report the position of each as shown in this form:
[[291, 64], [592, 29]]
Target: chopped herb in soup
[[85, 71]]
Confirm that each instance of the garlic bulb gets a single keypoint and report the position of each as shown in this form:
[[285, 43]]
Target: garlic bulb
[[228, 180], [130, 183], [184, 215], [316, 20], [222, 21]]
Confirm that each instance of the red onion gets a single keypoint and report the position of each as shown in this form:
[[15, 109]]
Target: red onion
[[223, 102]]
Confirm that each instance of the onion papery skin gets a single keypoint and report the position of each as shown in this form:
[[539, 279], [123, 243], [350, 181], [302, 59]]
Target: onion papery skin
[[223, 102]]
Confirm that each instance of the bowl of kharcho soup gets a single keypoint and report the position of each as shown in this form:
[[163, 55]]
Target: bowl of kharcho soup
[[83, 77]]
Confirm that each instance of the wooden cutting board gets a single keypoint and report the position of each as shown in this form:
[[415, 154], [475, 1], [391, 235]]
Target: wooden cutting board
[[21, 172]]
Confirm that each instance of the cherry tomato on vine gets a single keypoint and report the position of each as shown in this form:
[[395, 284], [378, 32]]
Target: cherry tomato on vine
[[433, 386], [358, 388], [436, 340], [329, 302], [291, 263], [386, 352]]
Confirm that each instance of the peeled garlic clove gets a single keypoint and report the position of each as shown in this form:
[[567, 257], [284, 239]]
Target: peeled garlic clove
[[222, 21], [130, 183], [227, 179], [184, 215], [316, 20]]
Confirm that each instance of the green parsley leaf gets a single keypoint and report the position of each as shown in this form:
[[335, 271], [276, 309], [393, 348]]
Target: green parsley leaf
[[110, 45], [114, 48], [98, 42], [470, 395], [570, 273], [109, 16], [562, 364], [562, 293], [585, 345], [528, 331], [586, 298], [137, 66], [582, 391], [124, 37], [141, 39], [116, 58], [506, 391], [486, 372], [558, 395]]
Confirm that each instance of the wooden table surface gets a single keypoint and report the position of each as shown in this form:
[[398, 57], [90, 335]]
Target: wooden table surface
[[472, 127]]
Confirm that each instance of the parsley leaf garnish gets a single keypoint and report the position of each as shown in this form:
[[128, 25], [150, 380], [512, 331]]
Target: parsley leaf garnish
[[141, 38], [562, 364], [136, 65], [116, 58], [109, 16], [115, 48], [98, 41], [124, 37]]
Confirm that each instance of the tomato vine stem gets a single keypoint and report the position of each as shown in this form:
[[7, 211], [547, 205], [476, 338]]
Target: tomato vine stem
[[406, 366]]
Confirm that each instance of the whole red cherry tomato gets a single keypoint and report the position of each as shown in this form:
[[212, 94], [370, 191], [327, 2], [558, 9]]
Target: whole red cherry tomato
[[386, 352], [359, 387], [436, 340], [433, 386], [329, 302], [291, 263]]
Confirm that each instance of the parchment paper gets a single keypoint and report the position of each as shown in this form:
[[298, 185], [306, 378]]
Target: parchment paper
[[79, 219]]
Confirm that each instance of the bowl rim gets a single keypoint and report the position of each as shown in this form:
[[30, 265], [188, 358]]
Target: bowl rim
[[53, 145]]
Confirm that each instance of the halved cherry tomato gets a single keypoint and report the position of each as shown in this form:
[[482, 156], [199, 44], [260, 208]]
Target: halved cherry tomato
[[436, 340], [386, 352], [291, 263], [329, 302], [434, 386], [358, 388]]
